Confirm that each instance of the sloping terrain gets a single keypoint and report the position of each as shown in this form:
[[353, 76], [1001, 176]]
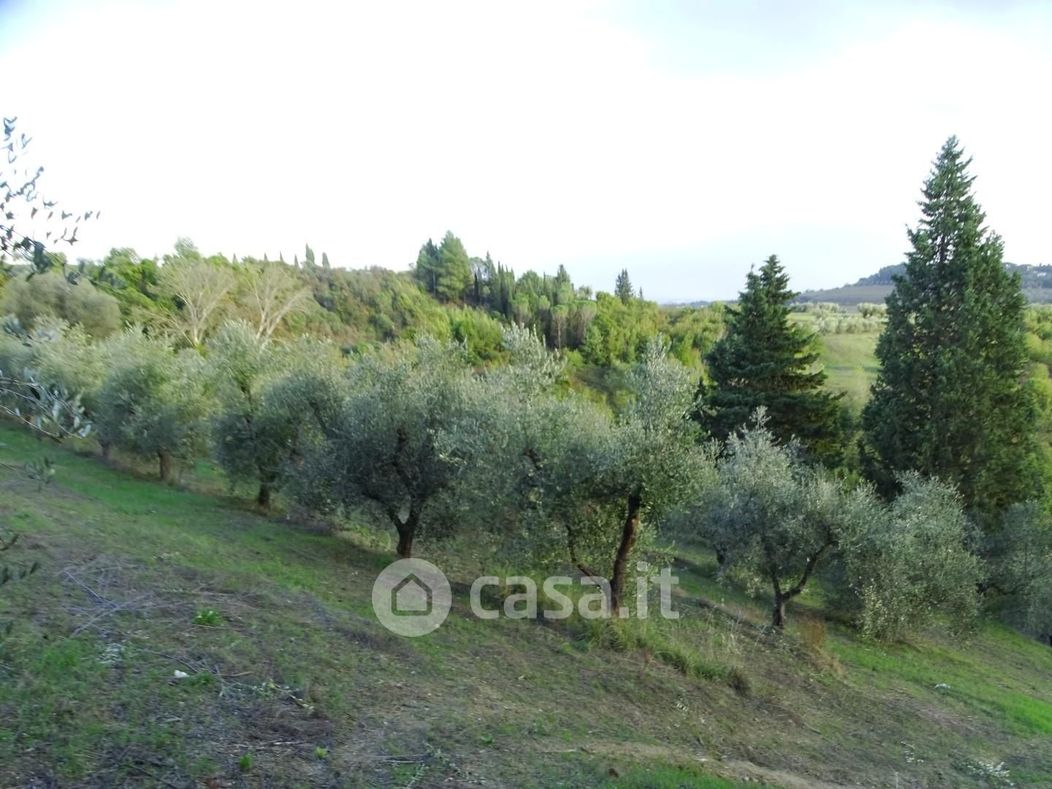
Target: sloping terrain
[[1035, 279], [286, 678]]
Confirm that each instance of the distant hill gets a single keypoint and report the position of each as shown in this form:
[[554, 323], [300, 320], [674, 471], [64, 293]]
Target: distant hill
[[1037, 285]]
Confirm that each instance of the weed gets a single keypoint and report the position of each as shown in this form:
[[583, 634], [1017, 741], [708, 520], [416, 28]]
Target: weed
[[208, 617]]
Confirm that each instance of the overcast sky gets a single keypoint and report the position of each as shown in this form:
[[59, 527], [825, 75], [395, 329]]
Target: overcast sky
[[681, 140]]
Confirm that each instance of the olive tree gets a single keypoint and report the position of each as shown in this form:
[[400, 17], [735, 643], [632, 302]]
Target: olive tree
[[645, 462], [152, 403], [262, 392], [773, 519], [28, 220], [53, 295], [598, 480], [36, 394], [67, 357], [383, 449], [911, 562]]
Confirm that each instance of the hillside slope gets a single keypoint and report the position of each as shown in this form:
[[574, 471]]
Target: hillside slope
[[1036, 282], [291, 681]]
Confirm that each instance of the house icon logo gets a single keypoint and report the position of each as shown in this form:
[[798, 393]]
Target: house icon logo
[[411, 597]]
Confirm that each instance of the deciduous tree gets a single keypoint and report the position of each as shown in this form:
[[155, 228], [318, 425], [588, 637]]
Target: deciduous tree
[[274, 293], [199, 288]]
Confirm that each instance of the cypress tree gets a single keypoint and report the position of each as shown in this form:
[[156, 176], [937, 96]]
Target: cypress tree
[[766, 360], [951, 399]]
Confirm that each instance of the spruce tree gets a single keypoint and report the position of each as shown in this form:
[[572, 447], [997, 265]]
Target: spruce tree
[[766, 360], [951, 399]]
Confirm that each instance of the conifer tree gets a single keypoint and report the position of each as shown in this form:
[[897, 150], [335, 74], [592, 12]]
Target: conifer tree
[[766, 360], [951, 399], [426, 268], [444, 270], [623, 287], [454, 278]]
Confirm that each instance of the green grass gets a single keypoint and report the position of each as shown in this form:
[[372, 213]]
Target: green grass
[[1007, 695], [850, 365], [272, 626]]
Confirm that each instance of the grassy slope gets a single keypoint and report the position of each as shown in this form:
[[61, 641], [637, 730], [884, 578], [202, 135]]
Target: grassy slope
[[301, 686]]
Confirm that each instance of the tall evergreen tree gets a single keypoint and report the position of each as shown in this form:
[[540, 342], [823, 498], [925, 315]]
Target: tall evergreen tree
[[623, 287], [766, 360], [455, 278], [427, 266], [951, 399], [445, 270]]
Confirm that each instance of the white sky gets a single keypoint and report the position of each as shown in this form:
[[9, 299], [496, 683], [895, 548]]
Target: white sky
[[682, 140]]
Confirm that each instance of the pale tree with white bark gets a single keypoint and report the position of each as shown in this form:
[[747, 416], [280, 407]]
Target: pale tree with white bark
[[271, 294], [199, 288]]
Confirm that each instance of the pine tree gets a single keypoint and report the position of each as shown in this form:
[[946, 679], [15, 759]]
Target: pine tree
[[426, 268], [455, 277], [766, 360], [445, 270], [951, 399], [623, 287]]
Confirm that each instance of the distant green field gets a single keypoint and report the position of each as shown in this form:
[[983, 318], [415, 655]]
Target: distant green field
[[850, 364], [849, 295]]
